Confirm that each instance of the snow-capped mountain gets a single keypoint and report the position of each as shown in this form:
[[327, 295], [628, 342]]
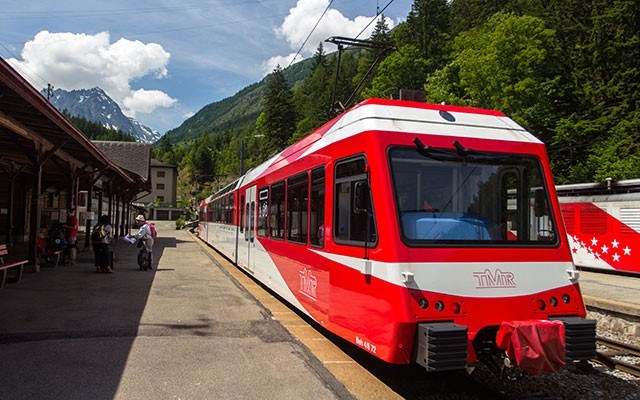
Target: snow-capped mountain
[[95, 105]]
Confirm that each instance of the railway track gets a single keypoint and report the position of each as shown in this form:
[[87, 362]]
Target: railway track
[[615, 349]]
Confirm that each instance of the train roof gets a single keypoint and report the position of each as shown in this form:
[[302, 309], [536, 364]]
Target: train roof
[[607, 187], [402, 116], [232, 186]]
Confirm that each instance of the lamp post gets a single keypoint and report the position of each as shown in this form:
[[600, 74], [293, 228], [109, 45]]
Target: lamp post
[[242, 152]]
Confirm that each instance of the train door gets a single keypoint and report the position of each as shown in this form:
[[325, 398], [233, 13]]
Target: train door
[[249, 210]]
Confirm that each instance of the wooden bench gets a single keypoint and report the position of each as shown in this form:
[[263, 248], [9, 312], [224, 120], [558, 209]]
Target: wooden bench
[[43, 252], [17, 266]]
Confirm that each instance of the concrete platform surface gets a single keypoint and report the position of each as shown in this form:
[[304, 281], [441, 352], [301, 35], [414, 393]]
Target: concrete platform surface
[[611, 292], [185, 330]]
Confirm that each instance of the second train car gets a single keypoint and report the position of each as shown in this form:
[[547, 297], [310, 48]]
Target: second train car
[[418, 232], [603, 224]]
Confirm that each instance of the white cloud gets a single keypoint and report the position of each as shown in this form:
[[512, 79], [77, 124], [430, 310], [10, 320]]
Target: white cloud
[[283, 61], [78, 61], [302, 18], [145, 101]]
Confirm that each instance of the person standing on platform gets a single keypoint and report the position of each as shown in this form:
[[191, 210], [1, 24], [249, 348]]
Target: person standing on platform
[[146, 235], [71, 230], [101, 238]]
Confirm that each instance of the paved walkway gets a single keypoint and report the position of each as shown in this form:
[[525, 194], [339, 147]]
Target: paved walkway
[[185, 330], [611, 292]]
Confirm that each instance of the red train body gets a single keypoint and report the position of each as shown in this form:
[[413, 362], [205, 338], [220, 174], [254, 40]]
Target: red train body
[[414, 231], [603, 224]]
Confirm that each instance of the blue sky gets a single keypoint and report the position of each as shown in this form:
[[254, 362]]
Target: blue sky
[[164, 60]]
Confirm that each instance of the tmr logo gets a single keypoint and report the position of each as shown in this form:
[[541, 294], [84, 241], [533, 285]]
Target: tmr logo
[[308, 284], [497, 279]]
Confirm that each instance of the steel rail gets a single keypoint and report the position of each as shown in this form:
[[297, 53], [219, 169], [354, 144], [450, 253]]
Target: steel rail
[[620, 349]]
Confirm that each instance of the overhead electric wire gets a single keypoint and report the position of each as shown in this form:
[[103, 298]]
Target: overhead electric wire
[[48, 14], [310, 33], [26, 70], [378, 12]]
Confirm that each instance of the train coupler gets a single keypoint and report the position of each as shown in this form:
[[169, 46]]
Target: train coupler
[[536, 346]]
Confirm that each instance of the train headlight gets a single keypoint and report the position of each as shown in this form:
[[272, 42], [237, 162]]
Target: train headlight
[[566, 299], [439, 305], [553, 301], [423, 303], [541, 304], [456, 307]]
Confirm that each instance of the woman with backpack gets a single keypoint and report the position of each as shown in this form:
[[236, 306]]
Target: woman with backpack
[[101, 238], [146, 234]]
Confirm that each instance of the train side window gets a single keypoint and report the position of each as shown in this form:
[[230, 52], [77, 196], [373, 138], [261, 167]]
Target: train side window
[[247, 217], [252, 221], [223, 209], [350, 225], [297, 208], [316, 225], [230, 209], [276, 212], [263, 211]]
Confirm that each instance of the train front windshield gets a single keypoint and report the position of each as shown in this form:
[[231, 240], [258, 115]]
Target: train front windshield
[[448, 197]]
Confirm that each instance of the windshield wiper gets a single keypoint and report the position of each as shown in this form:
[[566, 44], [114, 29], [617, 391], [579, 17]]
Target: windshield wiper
[[460, 153]]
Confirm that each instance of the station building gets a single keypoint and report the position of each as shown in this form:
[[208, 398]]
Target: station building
[[47, 166], [161, 202]]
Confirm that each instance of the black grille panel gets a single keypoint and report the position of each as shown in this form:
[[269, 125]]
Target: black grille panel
[[441, 346], [580, 337]]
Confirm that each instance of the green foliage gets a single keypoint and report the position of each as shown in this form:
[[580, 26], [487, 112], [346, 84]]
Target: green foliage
[[503, 64], [403, 69], [278, 119], [179, 222], [201, 160], [368, 62], [313, 100], [428, 23]]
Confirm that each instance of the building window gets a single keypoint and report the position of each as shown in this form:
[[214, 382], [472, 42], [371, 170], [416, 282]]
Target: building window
[[159, 186], [160, 174], [160, 199]]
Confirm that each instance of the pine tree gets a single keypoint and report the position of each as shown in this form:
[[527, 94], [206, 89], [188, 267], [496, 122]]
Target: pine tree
[[319, 57], [278, 119], [370, 59], [202, 160], [428, 22]]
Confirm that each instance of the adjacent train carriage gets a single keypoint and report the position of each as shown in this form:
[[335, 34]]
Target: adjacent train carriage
[[418, 232], [603, 224]]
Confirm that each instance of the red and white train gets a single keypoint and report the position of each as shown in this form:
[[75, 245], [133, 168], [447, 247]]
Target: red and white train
[[603, 224], [418, 232]]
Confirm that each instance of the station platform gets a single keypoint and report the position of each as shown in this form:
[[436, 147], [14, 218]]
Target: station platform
[[185, 330], [609, 295]]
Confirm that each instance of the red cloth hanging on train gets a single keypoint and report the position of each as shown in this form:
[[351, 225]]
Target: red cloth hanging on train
[[537, 346]]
